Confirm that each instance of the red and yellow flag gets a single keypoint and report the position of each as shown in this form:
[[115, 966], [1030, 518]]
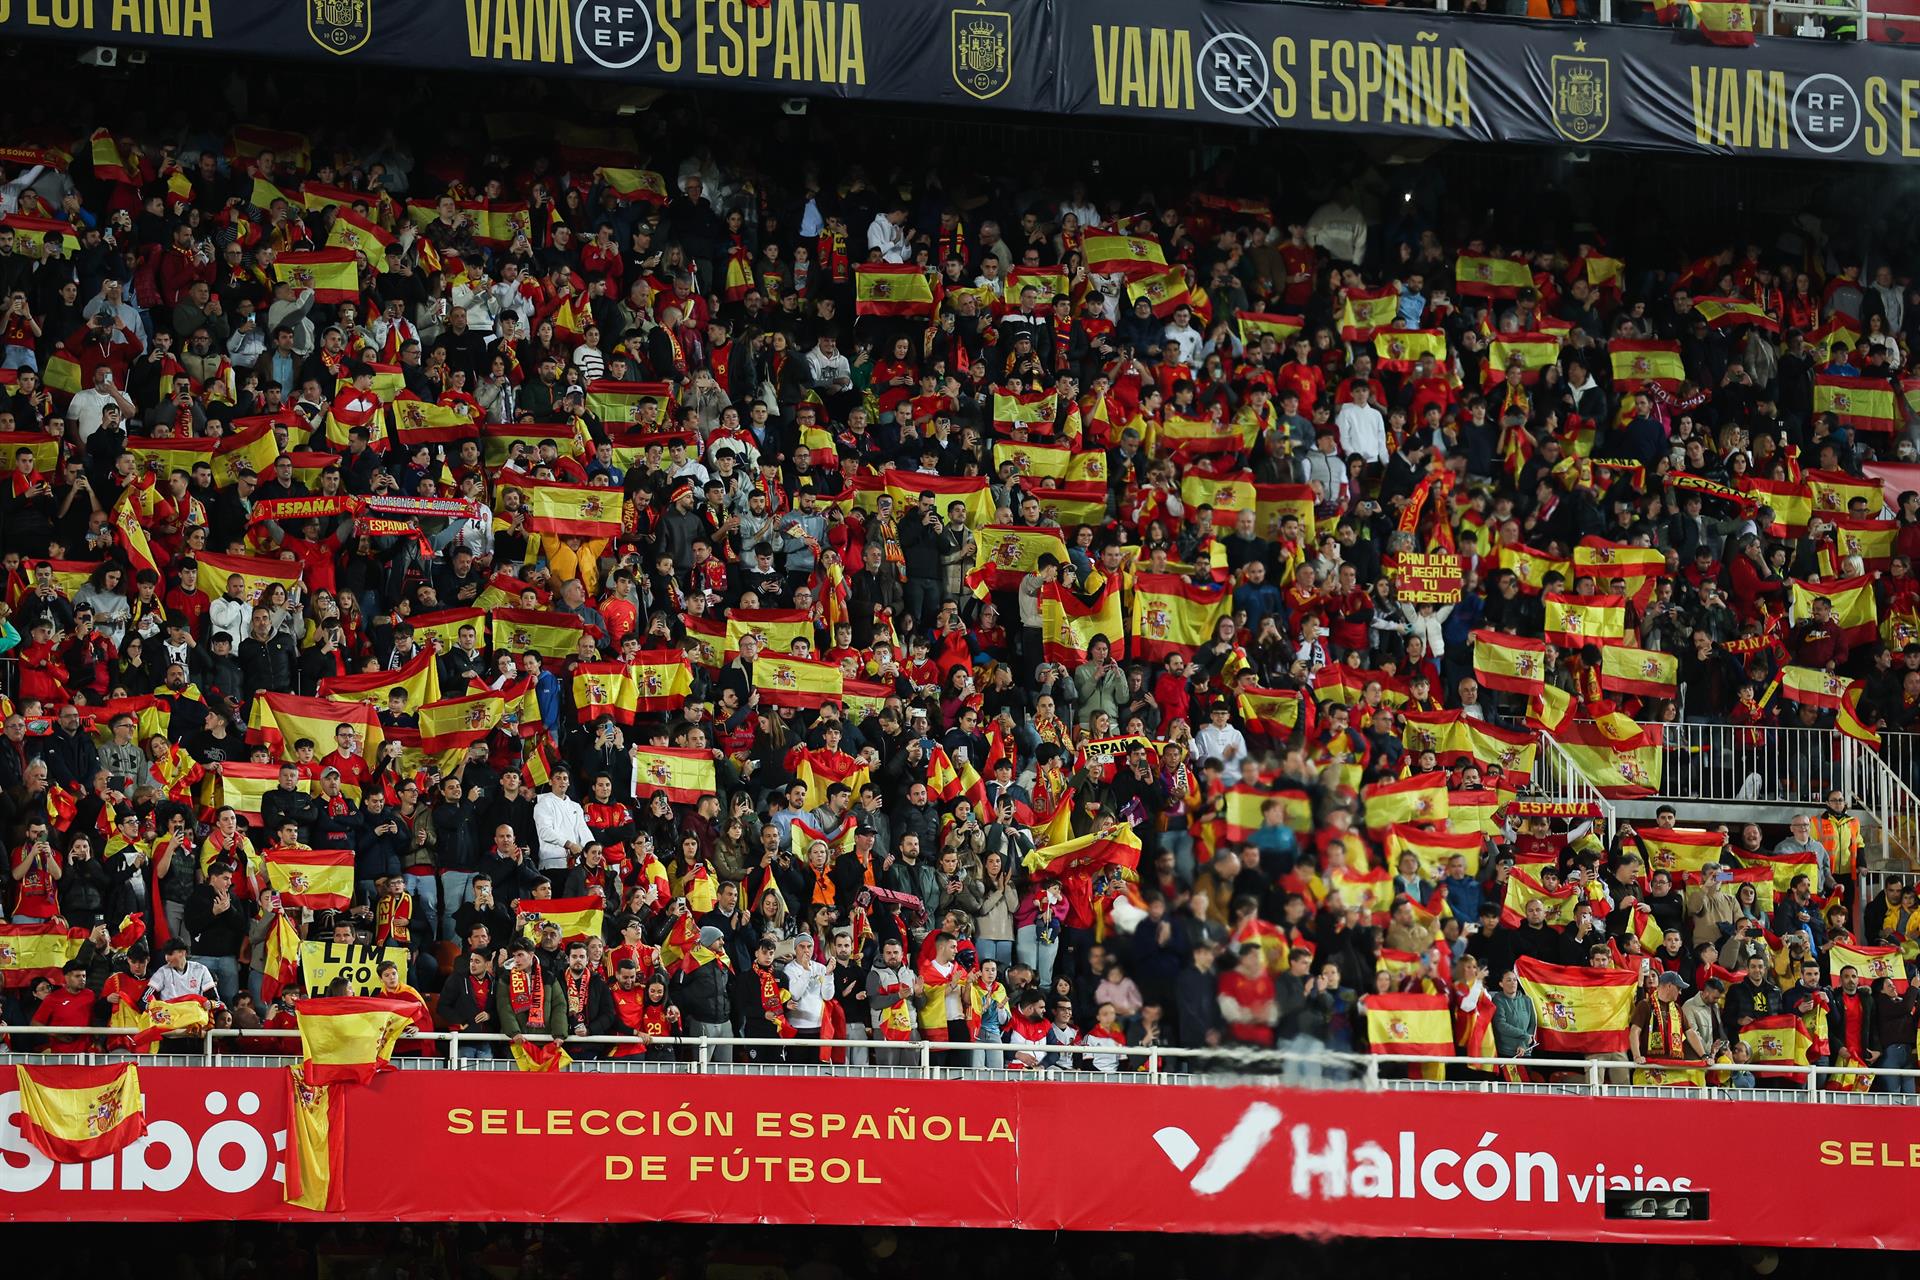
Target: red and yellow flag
[[1227, 495], [1246, 810], [1638, 362], [332, 274], [1854, 608], [1869, 538], [1573, 621], [1523, 888], [786, 681], [1619, 771], [1534, 351], [1483, 277], [1579, 1010], [1731, 313], [1678, 850], [180, 1016], [1531, 567], [76, 1114], [581, 510], [1255, 325], [352, 232], [1472, 811], [1780, 1040], [1173, 615], [1113, 253], [540, 1055], [1067, 626], [1645, 673], [629, 185], [1512, 751], [350, 1039], [577, 918], [454, 723], [891, 289], [1273, 712], [1865, 403], [280, 720], [1410, 1022], [1784, 868], [256, 574], [320, 879], [316, 1145], [1039, 461], [1116, 846], [1435, 848], [1871, 963], [1421, 798], [1365, 311], [1813, 688], [684, 773], [551, 635], [774, 629], [244, 784], [1724, 22], [420, 677], [1511, 664], [1400, 349], [1004, 554]]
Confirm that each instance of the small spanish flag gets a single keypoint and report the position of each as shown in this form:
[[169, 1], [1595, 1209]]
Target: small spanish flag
[[1604, 272], [774, 629], [1854, 608], [892, 289], [1645, 673], [1166, 291], [1365, 311], [1534, 351], [76, 1114], [332, 274], [1273, 712], [1068, 626], [662, 679], [417, 422], [1724, 22], [1778, 1040], [578, 918], [1370, 890], [1421, 798], [1481, 277], [1246, 810], [1435, 849], [281, 719], [1731, 313], [630, 185], [244, 785], [1116, 846], [1678, 850], [1004, 554], [316, 1144], [684, 773], [1579, 1010], [1050, 282], [783, 680], [544, 1055], [551, 635], [420, 677], [256, 574], [1523, 888], [1871, 963], [1670, 1074], [1113, 253], [1409, 1022], [1400, 349], [182, 1015], [577, 510], [1531, 567], [1620, 771], [1509, 663], [30, 951], [1638, 362], [1835, 491], [1870, 539], [1033, 461], [352, 232], [454, 723], [1255, 325], [1573, 621], [350, 1039], [1173, 615], [321, 879], [1785, 868], [45, 449]]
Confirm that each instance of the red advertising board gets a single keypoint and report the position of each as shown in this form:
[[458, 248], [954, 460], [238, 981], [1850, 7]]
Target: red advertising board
[[1045, 1155]]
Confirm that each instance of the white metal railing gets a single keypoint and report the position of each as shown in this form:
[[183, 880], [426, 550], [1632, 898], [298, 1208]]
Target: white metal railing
[[1154, 1064], [1557, 777]]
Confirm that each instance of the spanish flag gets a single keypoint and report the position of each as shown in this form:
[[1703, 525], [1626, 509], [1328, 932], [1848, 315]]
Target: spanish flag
[[180, 1016], [45, 450], [577, 918], [905, 487], [1033, 461], [1784, 868], [1678, 850], [316, 1145], [1791, 500], [352, 232], [1511, 664], [256, 572], [1246, 810], [321, 879], [1604, 272], [1645, 673], [1724, 22], [1870, 539], [1780, 1040], [1035, 408], [1364, 311], [1274, 502], [419, 677], [1523, 888], [454, 723], [1871, 963], [132, 534], [1670, 1074], [783, 680], [1848, 719], [1618, 772], [1438, 731], [629, 185], [1410, 1023], [1534, 351], [1579, 1010], [418, 422], [349, 1039], [1866, 403], [1400, 349], [1117, 846], [551, 635], [1255, 325], [1273, 712], [581, 510], [68, 575], [332, 274], [1512, 751], [1813, 688], [1205, 435], [1370, 890], [1421, 798], [1004, 554], [662, 679], [262, 194], [775, 629], [540, 1056], [1051, 282], [891, 289], [1166, 291], [1854, 609], [1573, 621], [1110, 253], [244, 784], [62, 374], [1227, 495], [31, 234], [1636, 363], [1531, 567], [821, 770], [281, 719], [1639, 566], [603, 689], [496, 443], [1472, 811], [503, 221], [684, 773], [1481, 277], [1731, 313], [76, 1114], [1068, 627], [1172, 615], [1435, 848], [1835, 491]]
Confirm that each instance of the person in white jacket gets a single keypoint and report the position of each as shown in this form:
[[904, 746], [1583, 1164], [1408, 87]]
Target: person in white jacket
[[888, 233], [560, 824], [810, 986], [1427, 621], [1362, 429]]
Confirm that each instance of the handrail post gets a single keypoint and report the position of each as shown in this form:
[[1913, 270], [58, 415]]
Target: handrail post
[[702, 1056], [1371, 1075], [926, 1059]]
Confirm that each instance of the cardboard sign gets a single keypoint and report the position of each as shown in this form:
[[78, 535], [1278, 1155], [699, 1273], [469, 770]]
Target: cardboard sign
[[322, 962], [1427, 579]]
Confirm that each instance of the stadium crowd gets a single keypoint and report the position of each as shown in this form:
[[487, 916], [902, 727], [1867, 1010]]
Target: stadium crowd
[[1094, 539]]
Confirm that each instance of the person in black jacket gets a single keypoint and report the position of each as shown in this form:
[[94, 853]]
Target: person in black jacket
[[1852, 1024], [87, 890], [701, 995], [267, 657], [1197, 1001], [287, 803], [216, 926], [466, 1003], [483, 910], [380, 847], [69, 751]]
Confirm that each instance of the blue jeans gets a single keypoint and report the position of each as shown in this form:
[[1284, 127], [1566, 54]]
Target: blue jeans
[[998, 950], [456, 888], [226, 975], [1028, 949], [1897, 1056], [426, 896]]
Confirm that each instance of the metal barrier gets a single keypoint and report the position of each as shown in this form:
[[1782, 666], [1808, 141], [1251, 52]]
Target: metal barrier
[[1582, 1077], [1557, 777]]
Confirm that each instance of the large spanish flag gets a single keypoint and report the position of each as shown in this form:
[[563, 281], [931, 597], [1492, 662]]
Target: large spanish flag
[[419, 677], [1004, 554], [1534, 351], [1227, 495], [782, 680], [1435, 848], [1172, 615], [1573, 621], [905, 488], [1579, 1010], [1116, 846], [76, 1114], [1421, 798], [1068, 627], [32, 234], [1400, 349], [257, 573], [1050, 282], [1112, 253], [1854, 609], [350, 1039], [1871, 963], [629, 185], [1512, 751], [332, 274], [1483, 277], [662, 679], [1646, 673], [1679, 850], [1862, 402], [244, 784], [549, 634], [1531, 567], [1779, 1040], [1364, 311], [1509, 663], [1165, 291], [1523, 888], [1255, 325], [578, 918], [891, 289], [1411, 1023], [321, 879], [1835, 491], [281, 719], [1636, 363], [684, 773], [582, 510], [1618, 771], [1041, 461], [1474, 811], [316, 1145], [1731, 313], [453, 723], [775, 629], [1639, 566]]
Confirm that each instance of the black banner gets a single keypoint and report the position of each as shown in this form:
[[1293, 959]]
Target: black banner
[[1363, 70]]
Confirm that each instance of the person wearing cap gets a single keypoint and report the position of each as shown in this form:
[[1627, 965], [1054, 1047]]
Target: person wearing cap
[[1658, 1029], [526, 1000], [703, 994]]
